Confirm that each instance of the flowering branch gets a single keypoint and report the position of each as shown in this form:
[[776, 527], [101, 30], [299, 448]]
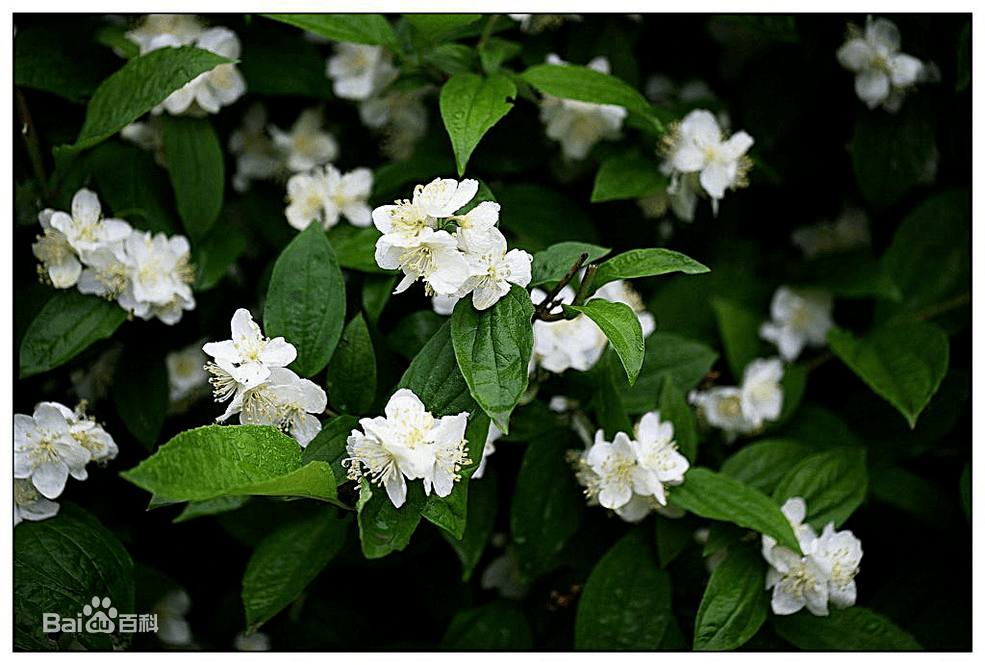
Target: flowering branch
[[543, 310]]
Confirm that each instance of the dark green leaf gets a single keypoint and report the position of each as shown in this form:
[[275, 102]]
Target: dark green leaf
[[135, 188], [73, 70], [833, 483], [329, 444], [482, 504], [453, 59], [493, 350], [738, 328], [383, 528], [539, 216], [140, 391], [61, 563], [114, 36], [355, 248], [306, 300], [903, 362], [762, 464], [216, 506], [64, 327], [215, 254], [375, 295], [673, 537], [610, 415], [853, 274], [494, 51], [140, 85], [497, 626], [351, 377], [629, 175], [719, 497], [414, 331], [218, 460], [619, 323], [434, 376], [793, 383], [547, 502], [287, 560], [673, 408], [626, 604], [278, 63], [196, 164], [687, 361], [470, 105], [430, 27], [645, 263], [851, 629], [921, 497], [552, 264], [734, 604], [371, 29]]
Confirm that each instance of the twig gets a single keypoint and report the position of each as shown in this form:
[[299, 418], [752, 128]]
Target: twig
[[943, 307], [543, 310], [33, 146]]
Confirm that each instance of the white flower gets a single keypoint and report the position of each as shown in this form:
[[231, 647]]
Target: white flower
[[107, 272], [488, 449], [306, 145], [882, 73], [255, 641], [434, 258], [444, 304], [697, 145], [256, 156], [184, 28], [172, 628], [800, 317], [847, 232], [580, 125], [186, 373], [838, 554], [569, 343], [148, 136], [401, 115], [45, 450], [160, 276], [493, 269], [657, 455], [407, 444], [211, 90], [722, 408], [402, 223], [618, 474], [534, 24], [503, 574], [85, 229], [358, 71], [29, 504], [60, 263], [324, 194], [248, 357], [762, 396], [283, 400], [87, 433], [682, 192]]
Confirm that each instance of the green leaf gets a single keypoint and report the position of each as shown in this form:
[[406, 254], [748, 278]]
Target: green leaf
[[131, 185], [138, 86], [626, 603], [375, 295], [719, 497], [414, 331], [140, 391], [762, 464], [494, 51], [483, 499], [738, 328], [903, 362], [73, 70], [276, 62], [434, 376], [645, 263], [59, 565], [552, 264], [453, 59], [673, 537], [306, 300], [216, 460], [610, 414], [372, 29], [355, 248], [685, 360], [920, 497], [540, 216], [383, 528], [851, 629], [64, 327], [629, 175], [619, 323], [497, 626], [351, 377], [329, 444], [197, 170], [493, 350], [674, 408], [287, 560], [854, 274], [215, 254], [588, 85], [833, 483], [547, 505], [470, 105], [430, 27], [734, 604], [216, 506]]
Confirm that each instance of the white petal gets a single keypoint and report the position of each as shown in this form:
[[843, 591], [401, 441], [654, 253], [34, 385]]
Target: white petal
[[872, 87]]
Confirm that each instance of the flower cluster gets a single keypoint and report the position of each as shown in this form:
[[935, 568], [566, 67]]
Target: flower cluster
[[49, 446], [472, 258], [148, 275], [365, 73], [744, 409], [209, 91], [800, 317], [578, 343], [630, 476], [406, 444], [826, 571], [700, 158], [580, 125], [882, 73], [252, 370]]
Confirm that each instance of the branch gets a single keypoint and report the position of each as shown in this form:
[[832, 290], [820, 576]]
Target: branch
[[543, 310]]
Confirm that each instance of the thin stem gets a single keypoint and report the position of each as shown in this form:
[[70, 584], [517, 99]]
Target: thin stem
[[543, 310], [487, 30], [943, 307], [586, 285], [33, 145]]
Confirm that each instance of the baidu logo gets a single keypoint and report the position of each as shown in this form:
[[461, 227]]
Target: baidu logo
[[98, 616]]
